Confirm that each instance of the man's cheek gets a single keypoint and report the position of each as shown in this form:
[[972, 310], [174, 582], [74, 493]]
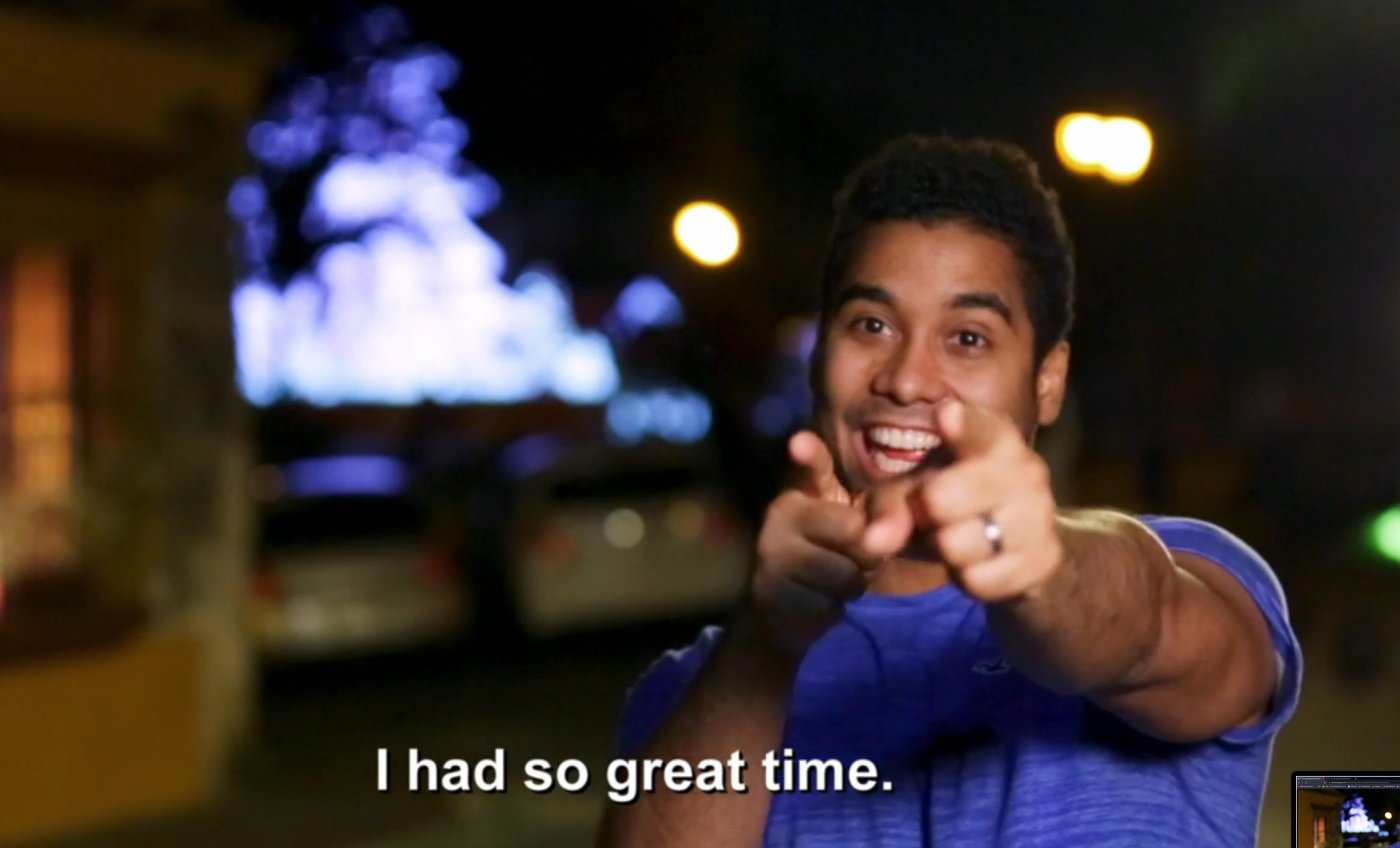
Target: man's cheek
[[848, 470]]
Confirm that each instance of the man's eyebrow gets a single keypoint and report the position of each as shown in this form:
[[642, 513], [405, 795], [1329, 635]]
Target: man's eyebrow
[[982, 300], [861, 291]]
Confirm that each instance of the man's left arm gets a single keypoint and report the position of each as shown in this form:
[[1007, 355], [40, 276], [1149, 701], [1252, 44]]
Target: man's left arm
[[1169, 641], [1091, 602]]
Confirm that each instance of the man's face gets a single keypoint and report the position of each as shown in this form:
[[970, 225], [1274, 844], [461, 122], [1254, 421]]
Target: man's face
[[926, 313]]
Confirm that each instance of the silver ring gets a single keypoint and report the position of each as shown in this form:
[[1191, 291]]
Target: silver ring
[[992, 530]]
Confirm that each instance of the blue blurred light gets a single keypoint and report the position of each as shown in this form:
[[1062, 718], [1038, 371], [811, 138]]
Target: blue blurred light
[[345, 475], [529, 455], [259, 237], [449, 133], [411, 86], [585, 371], [361, 134], [305, 138], [546, 291], [404, 301], [412, 104], [442, 68], [671, 414], [256, 305], [355, 190], [414, 73], [481, 194], [627, 418], [687, 417], [647, 302], [265, 141], [247, 199], [308, 97], [400, 140]]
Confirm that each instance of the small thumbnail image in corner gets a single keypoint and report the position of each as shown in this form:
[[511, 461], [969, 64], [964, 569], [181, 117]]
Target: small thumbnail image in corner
[[1336, 809]]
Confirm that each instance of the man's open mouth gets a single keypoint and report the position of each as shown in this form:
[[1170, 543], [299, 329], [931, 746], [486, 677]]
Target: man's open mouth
[[897, 450]]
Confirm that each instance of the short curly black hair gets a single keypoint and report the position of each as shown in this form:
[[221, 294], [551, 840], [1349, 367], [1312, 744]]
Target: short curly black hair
[[992, 186]]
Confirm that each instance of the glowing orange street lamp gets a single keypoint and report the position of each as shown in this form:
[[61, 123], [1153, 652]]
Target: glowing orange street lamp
[[707, 233], [1117, 148]]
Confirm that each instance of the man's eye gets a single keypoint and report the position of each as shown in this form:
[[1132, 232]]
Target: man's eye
[[871, 325], [968, 338]]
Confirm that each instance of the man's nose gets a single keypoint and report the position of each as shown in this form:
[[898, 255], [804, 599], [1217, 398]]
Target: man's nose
[[911, 374]]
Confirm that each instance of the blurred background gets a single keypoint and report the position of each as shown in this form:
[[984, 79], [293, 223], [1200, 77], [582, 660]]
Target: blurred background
[[362, 384]]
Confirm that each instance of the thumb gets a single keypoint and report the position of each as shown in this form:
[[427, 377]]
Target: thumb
[[815, 470]]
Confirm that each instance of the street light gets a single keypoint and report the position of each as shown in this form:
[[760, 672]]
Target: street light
[[707, 233], [1077, 142], [1116, 148]]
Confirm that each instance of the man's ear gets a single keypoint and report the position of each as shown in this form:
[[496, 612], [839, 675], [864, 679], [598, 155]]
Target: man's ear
[[1050, 383]]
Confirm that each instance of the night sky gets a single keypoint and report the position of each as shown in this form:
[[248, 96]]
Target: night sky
[[1264, 238]]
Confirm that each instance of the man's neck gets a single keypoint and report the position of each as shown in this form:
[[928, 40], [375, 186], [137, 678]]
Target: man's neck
[[908, 577]]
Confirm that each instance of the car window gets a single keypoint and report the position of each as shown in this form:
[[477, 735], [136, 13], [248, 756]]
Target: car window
[[341, 519], [624, 483]]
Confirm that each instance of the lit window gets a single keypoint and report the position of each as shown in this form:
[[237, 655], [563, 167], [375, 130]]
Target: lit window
[[37, 428]]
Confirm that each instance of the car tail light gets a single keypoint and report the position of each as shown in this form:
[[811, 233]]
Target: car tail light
[[686, 518], [267, 583], [436, 566], [553, 546], [719, 527]]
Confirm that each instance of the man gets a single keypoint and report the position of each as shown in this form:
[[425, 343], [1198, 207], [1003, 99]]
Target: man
[[1019, 674]]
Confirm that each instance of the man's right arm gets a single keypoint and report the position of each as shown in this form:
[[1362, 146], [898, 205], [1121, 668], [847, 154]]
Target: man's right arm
[[737, 702], [806, 570]]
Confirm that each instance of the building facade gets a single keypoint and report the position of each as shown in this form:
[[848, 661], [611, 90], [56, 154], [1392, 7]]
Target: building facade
[[123, 443]]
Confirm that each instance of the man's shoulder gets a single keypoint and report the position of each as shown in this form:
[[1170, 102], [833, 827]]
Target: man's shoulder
[[1218, 545], [1187, 526], [659, 688], [1232, 554]]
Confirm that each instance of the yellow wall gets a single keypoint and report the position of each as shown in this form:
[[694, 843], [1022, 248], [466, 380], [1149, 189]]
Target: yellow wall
[[99, 736], [94, 82], [117, 142]]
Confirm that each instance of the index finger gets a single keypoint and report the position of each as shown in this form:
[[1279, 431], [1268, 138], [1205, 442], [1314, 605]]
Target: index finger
[[816, 470]]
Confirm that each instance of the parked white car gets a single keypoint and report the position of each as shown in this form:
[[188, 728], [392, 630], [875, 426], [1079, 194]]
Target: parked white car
[[349, 563], [617, 536]]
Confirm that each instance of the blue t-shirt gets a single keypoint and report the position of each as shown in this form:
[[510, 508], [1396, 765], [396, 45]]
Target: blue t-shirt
[[979, 755]]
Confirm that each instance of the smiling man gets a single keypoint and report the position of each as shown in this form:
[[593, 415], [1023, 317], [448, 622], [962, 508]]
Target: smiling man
[[1018, 673]]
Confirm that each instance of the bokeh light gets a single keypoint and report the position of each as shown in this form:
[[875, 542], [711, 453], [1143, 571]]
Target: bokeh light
[[624, 528], [707, 233], [1385, 534], [404, 299], [1118, 149]]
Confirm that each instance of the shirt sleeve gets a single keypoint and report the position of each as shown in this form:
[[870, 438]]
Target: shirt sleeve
[[657, 692], [1230, 553]]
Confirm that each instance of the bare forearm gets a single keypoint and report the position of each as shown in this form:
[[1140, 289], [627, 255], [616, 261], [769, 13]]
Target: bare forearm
[[808, 564], [1095, 623], [739, 703]]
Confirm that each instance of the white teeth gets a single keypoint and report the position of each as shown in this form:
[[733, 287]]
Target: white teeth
[[901, 439], [889, 465]]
